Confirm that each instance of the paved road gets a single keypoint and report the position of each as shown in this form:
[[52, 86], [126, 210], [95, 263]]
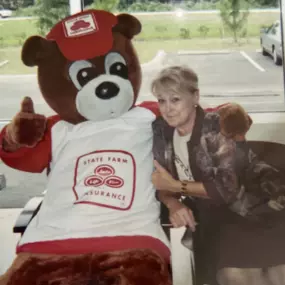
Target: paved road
[[229, 75], [251, 79]]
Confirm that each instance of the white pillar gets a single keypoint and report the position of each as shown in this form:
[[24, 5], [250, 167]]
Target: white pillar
[[75, 6]]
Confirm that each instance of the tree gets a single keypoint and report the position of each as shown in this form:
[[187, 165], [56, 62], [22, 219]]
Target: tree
[[12, 4], [50, 12], [234, 14], [107, 5], [268, 3]]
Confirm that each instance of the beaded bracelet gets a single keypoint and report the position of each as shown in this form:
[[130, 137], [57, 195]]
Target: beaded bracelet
[[183, 187]]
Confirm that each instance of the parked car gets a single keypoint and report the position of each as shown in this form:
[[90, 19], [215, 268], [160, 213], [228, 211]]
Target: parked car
[[271, 43], [4, 13]]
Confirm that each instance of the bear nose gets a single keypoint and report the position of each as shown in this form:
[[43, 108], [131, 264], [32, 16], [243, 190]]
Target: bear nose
[[107, 90]]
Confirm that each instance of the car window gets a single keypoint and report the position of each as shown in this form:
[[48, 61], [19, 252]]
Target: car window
[[270, 28], [274, 28]]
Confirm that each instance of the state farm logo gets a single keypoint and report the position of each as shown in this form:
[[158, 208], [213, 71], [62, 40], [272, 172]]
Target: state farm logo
[[104, 175], [105, 178], [80, 25]]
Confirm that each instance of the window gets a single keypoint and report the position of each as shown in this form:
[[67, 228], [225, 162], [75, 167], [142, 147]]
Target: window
[[241, 66]]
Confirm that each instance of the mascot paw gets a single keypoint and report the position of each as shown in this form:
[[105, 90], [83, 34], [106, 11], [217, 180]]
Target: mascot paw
[[26, 129]]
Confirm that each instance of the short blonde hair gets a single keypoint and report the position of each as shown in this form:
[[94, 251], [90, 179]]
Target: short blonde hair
[[176, 79]]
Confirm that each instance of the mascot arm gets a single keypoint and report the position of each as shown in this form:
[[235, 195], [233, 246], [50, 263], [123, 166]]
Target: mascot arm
[[30, 159]]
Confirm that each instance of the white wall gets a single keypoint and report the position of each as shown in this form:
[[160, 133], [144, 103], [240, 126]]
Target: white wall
[[268, 127]]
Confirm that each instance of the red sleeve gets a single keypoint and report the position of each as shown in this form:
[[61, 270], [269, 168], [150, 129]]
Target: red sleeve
[[152, 106], [34, 159]]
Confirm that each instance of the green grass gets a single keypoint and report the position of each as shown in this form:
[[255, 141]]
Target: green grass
[[170, 26], [146, 50], [13, 33], [159, 32]]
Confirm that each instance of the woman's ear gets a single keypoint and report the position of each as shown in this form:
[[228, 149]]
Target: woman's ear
[[35, 49], [197, 97], [249, 121]]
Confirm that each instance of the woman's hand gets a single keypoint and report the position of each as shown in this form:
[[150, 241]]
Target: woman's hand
[[163, 181], [180, 215]]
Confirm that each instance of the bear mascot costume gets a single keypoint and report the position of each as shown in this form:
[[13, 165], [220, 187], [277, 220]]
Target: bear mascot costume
[[99, 221]]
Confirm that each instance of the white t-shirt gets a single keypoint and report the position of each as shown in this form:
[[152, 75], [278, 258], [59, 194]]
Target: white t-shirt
[[100, 182], [181, 157]]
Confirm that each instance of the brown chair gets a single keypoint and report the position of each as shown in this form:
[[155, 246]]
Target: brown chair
[[270, 152]]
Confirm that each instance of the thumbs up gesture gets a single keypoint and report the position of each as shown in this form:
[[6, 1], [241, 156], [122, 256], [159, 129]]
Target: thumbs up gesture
[[26, 128]]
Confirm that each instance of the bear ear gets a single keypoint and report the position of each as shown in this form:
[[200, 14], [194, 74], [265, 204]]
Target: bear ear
[[128, 25], [36, 49]]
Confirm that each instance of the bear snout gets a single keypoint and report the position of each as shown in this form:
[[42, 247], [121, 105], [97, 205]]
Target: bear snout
[[107, 90]]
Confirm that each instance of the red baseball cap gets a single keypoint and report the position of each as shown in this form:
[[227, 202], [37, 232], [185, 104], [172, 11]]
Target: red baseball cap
[[84, 35]]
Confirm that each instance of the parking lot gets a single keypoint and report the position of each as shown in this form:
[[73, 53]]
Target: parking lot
[[248, 78], [245, 77]]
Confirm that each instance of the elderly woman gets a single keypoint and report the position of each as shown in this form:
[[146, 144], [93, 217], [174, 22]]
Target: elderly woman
[[233, 249]]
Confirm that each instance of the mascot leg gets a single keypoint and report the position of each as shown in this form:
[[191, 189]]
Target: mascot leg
[[132, 267]]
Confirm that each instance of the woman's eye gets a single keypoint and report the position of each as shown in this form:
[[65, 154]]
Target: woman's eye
[[160, 101], [174, 100]]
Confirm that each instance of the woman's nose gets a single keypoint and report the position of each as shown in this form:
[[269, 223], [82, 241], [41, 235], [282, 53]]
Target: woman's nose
[[168, 107]]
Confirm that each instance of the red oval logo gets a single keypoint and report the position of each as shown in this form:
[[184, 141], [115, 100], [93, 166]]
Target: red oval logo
[[94, 181], [81, 24], [114, 182], [104, 170]]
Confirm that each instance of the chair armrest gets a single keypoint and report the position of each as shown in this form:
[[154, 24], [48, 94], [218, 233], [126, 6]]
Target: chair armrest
[[29, 211]]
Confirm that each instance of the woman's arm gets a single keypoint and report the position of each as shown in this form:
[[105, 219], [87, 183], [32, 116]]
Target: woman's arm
[[179, 214], [168, 198], [190, 188], [163, 181]]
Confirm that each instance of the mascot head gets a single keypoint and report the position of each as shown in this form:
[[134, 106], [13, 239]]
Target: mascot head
[[88, 68]]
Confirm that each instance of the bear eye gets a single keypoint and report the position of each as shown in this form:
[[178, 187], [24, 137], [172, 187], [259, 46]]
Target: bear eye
[[85, 75], [115, 64], [120, 69], [81, 72]]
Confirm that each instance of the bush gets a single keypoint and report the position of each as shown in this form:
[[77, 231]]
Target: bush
[[150, 7], [21, 38], [203, 30], [160, 29], [26, 12], [107, 5], [2, 45], [50, 12], [185, 33]]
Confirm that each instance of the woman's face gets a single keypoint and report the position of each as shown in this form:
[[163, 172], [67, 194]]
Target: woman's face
[[177, 109]]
